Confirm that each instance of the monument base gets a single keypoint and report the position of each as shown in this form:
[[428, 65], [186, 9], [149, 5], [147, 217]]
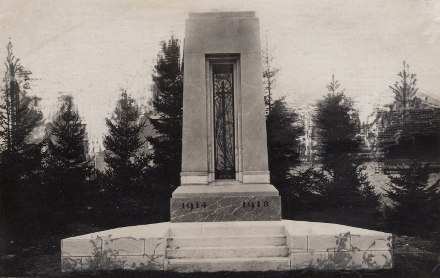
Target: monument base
[[229, 246], [225, 201]]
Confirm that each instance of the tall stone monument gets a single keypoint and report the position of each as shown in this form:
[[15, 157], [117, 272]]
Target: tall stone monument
[[225, 215], [225, 175]]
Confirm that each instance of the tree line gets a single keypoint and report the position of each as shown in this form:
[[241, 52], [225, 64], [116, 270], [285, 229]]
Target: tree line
[[50, 184], [337, 188]]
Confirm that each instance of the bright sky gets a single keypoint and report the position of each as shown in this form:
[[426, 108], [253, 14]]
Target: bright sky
[[91, 49]]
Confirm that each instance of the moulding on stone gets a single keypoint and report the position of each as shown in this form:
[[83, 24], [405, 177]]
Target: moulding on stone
[[194, 178], [256, 177]]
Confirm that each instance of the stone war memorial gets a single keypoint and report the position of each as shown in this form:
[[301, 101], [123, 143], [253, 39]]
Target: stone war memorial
[[225, 215]]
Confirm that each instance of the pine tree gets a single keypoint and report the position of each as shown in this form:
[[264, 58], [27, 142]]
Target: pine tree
[[167, 144], [412, 136], [347, 188], [67, 167], [126, 162], [415, 208], [20, 158], [19, 115], [283, 131], [269, 75], [336, 127], [405, 91]]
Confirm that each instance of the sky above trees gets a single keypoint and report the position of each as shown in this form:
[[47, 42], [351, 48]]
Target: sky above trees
[[92, 49]]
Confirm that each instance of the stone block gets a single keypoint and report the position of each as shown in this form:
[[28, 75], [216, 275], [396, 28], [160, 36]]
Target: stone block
[[224, 188], [297, 243], [231, 34], [80, 247], [155, 246], [329, 242], [227, 252], [226, 231], [267, 230], [228, 264], [194, 147], [221, 209], [313, 260], [371, 242], [192, 178], [238, 240], [367, 260], [262, 177], [185, 230], [124, 245]]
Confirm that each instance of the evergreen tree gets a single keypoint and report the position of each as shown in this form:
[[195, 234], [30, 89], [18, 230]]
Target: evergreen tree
[[126, 162], [298, 190], [336, 127], [66, 164], [347, 188], [269, 75], [167, 144], [415, 208], [414, 129], [283, 132], [20, 158], [405, 90]]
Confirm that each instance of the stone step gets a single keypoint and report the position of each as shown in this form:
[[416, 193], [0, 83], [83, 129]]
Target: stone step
[[227, 252], [224, 230], [228, 264], [212, 241]]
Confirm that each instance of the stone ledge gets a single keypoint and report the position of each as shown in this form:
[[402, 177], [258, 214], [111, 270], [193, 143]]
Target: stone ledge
[[228, 264], [229, 189], [221, 15]]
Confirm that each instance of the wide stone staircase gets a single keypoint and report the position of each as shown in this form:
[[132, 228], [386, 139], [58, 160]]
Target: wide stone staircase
[[251, 247]]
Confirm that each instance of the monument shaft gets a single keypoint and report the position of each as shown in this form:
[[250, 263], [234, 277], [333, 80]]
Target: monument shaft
[[216, 42]]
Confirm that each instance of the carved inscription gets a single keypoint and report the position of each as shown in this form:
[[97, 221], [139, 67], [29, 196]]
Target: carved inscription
[[247, 205], [226, 208], [255, 204], [190, 205]]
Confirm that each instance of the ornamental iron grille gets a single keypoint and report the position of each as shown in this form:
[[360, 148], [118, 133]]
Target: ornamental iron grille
[[223, 87]]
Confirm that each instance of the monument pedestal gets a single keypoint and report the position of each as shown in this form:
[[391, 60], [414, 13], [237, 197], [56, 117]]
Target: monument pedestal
[[229, 246], [225, 200]]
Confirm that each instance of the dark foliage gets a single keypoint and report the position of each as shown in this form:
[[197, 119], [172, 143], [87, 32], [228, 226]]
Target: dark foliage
[[415, 208], [124, 184], [168, 103], [336, 129], [412, 130], [20, 158], [66, 166], [347, 192], [283, 131], [303, 189]]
